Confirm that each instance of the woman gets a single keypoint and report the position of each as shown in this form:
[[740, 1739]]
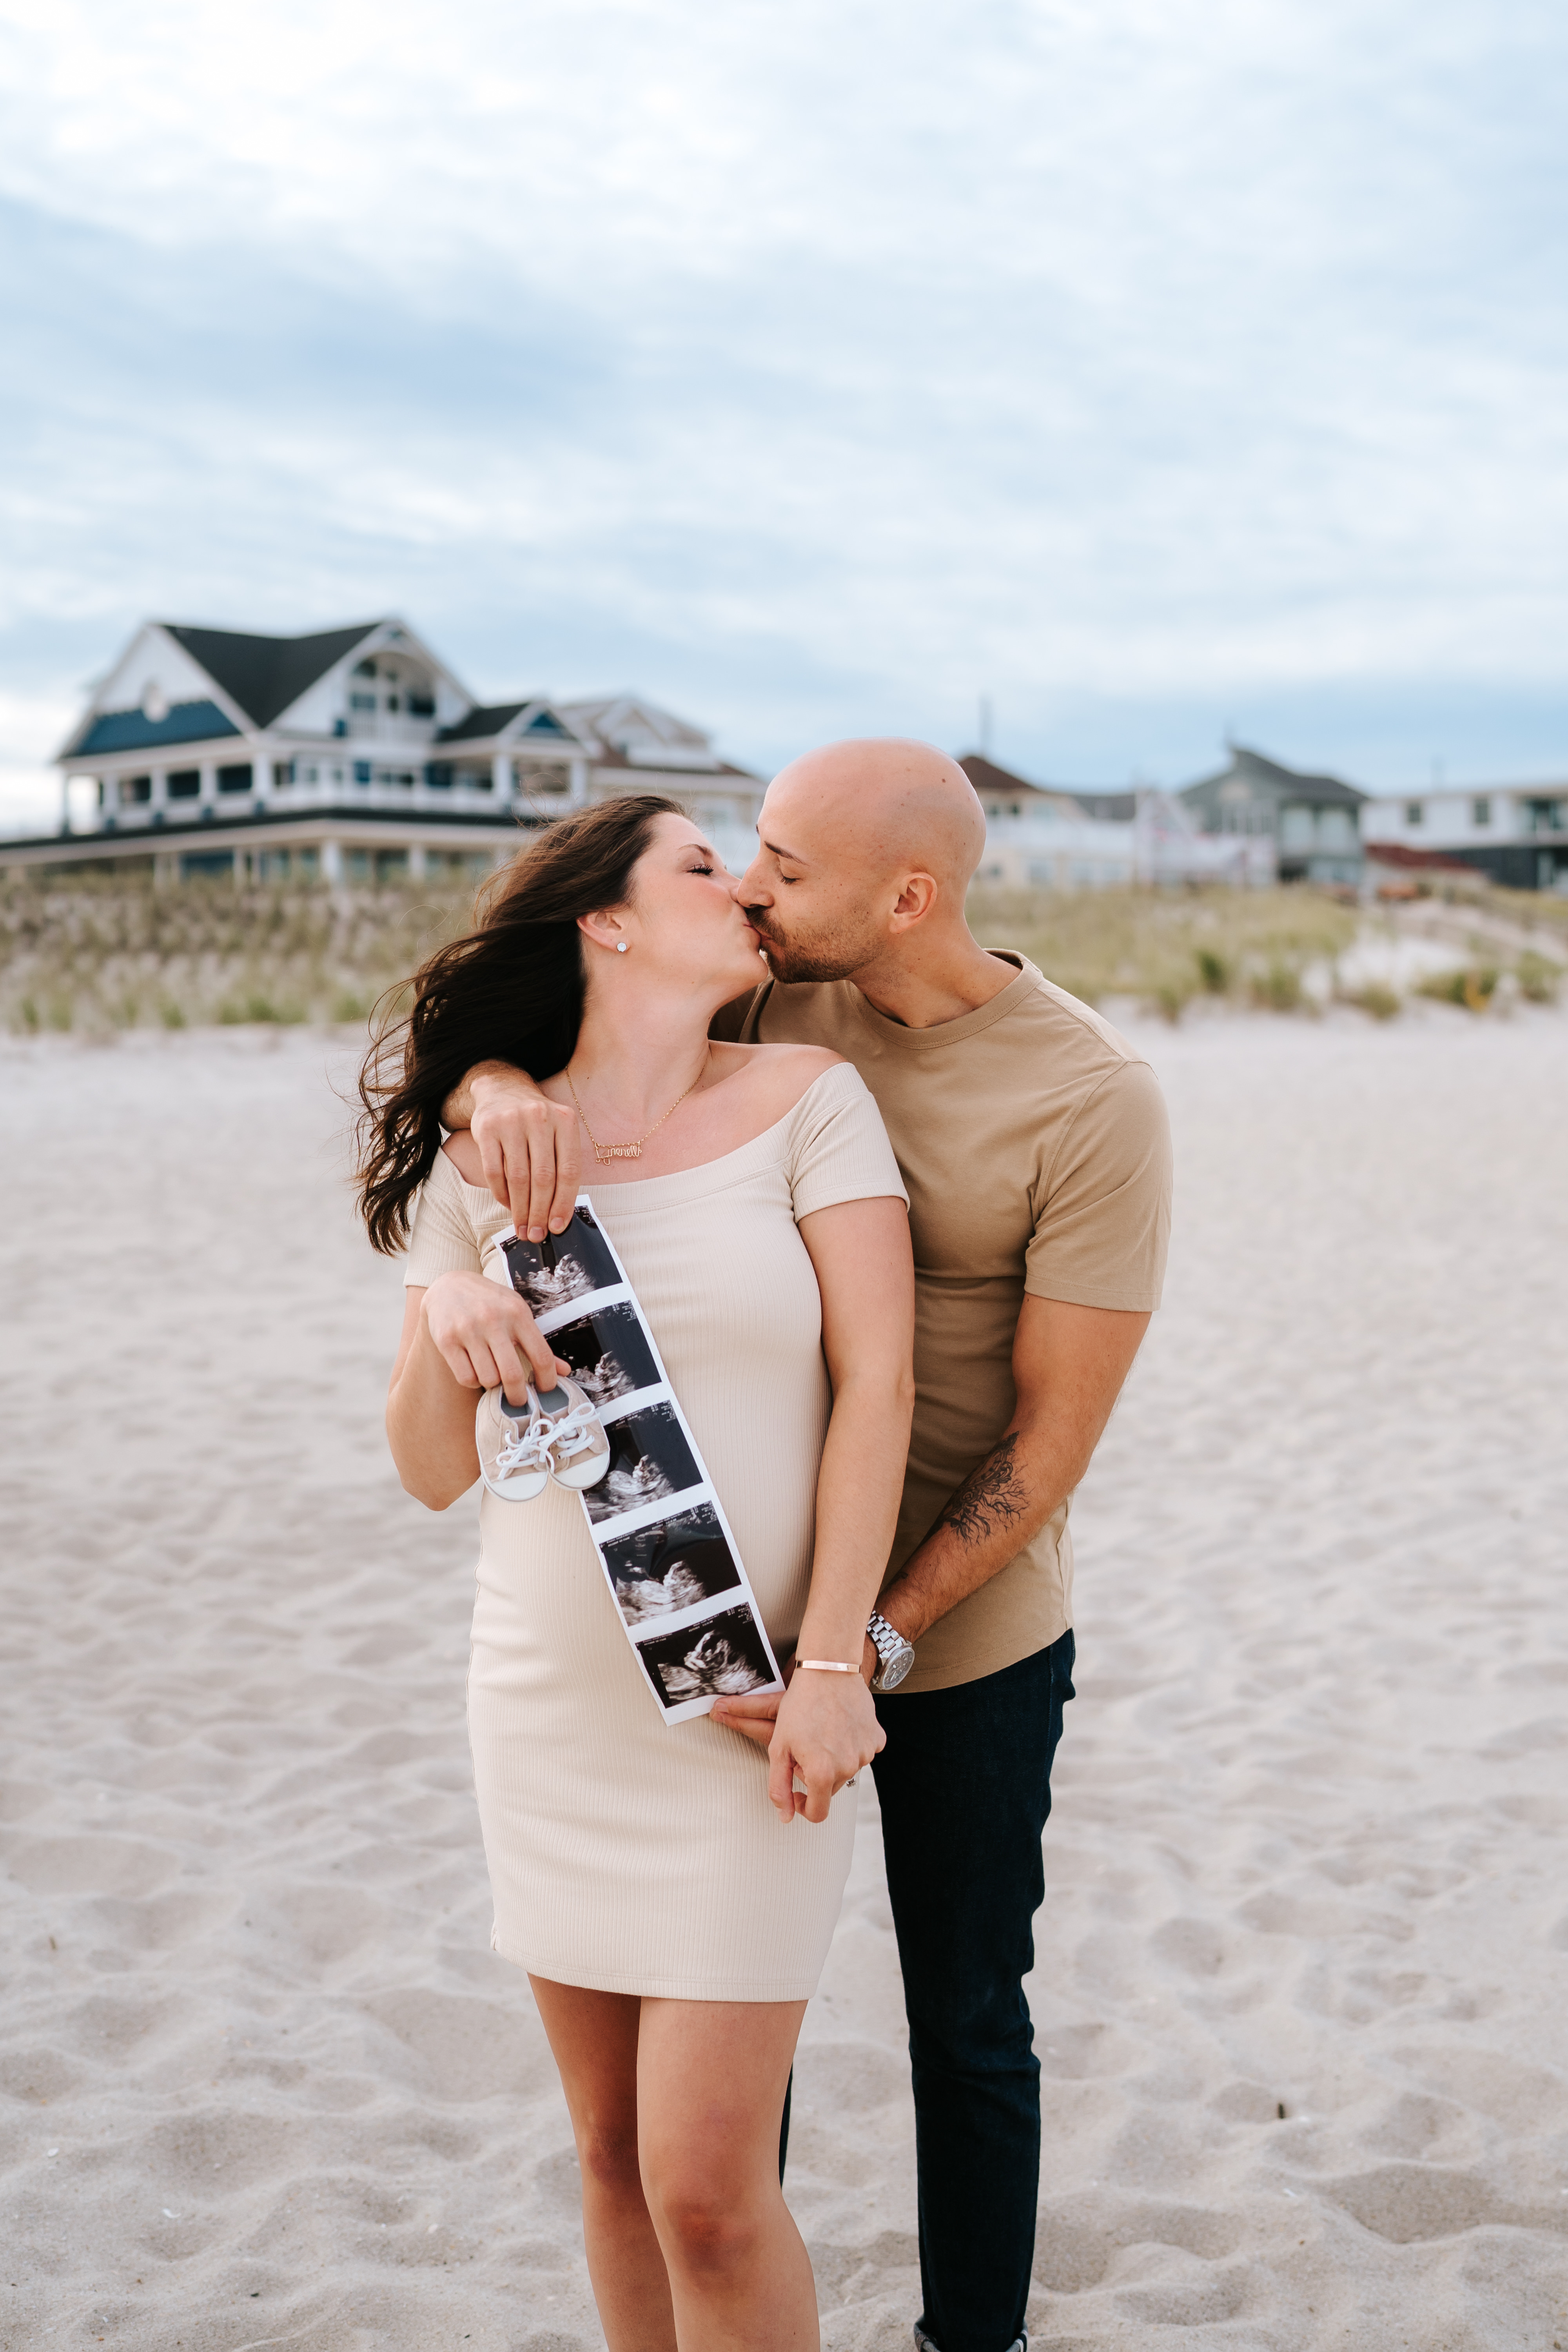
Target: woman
[[656, 1881]]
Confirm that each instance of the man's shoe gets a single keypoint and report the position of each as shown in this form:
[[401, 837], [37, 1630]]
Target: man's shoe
[[572, 1435], [924, 2342], [514, 1462]]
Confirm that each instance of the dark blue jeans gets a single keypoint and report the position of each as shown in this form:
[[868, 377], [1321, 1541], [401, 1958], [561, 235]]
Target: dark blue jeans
[[966, 1787]]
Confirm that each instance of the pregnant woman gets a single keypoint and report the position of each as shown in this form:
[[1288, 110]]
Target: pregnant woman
[[669, 1890]]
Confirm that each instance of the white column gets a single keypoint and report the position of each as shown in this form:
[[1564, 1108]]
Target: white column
[[260, 771], [416, 861], [209, 783], [579, 783], [65, 802], [501, 775], [333, 862]]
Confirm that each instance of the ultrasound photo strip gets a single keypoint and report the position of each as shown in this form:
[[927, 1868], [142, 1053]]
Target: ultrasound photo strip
[[668, 1554]]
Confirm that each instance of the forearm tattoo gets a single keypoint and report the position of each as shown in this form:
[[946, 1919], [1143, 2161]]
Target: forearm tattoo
[[990, 1499]]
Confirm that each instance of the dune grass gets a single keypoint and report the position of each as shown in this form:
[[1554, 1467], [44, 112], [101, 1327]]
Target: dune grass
[[97, 953], [1164, 948], [94, 954]]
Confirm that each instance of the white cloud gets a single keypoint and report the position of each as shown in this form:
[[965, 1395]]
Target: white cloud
[[1158, 350]]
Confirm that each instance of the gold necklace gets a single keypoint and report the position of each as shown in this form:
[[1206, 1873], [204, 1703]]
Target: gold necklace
[[603, 1151]]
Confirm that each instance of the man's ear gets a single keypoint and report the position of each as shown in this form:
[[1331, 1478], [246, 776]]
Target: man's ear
[[917, 896]]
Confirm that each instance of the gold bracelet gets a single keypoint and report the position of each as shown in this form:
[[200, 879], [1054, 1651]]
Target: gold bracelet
[[828, 1666]]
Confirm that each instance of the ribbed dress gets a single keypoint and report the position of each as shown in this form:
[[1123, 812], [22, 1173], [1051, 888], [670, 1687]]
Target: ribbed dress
[[627, 1854]]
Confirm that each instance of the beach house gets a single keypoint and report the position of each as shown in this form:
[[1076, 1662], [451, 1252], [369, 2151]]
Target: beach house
[[1516, 835], [1047, 836], [1309, 825], [351, 754]]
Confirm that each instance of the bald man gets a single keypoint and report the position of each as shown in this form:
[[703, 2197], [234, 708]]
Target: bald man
[[1033, 1140]]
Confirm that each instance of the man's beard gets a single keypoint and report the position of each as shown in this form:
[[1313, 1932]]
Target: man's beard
[[836, 955]]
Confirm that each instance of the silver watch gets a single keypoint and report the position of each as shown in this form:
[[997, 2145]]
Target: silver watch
[[896, 1655]]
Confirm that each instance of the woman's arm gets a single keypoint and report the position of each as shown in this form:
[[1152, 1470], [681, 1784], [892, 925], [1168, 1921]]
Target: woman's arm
[[826, 1725], [460, 1334]]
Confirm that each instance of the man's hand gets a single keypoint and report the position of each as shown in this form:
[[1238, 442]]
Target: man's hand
[[487, 1338], [823, 1728], [527, 1145]]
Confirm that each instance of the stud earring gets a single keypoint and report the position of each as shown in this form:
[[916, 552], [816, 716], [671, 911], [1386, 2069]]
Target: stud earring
[[620, 947]]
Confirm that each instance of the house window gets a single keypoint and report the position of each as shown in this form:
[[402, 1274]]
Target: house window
[[235, 780], [1414, 812], [362, 771], [1296, 828], [134, 790], [185, 785], [362, 702], [364, 669], [422, 706], [438, 775], [1482, 810]]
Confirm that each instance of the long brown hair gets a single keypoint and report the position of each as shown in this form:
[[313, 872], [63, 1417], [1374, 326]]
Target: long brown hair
[[510, 990]]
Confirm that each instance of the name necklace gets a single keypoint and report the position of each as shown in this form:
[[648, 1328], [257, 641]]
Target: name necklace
[[603, 1151]]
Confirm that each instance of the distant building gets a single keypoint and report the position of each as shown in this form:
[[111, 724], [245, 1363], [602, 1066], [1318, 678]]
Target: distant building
[[1514, 834], [352, 753], [1311, 824], [1043, 836]]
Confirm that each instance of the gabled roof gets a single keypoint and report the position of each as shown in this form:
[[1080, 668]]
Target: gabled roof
[[987, 777], [133, 731], [265, 675], [1271, 780], [486, 718]]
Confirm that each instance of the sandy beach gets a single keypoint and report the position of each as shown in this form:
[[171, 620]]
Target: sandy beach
[[1301, 1993]]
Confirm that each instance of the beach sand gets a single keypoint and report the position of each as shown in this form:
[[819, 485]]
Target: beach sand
[[1302, 2000]]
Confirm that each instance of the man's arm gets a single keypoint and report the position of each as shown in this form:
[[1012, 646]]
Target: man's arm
[[1068, 1366], [529, 1146]]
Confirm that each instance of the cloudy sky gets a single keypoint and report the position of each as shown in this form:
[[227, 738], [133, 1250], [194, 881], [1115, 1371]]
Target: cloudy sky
[[1156, 368]]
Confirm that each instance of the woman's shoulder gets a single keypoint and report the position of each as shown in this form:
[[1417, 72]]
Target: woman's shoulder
[[778, 1078], [459, 1157]]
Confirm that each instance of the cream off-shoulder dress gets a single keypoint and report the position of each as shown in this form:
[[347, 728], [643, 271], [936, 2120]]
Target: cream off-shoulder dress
[[629, 1854]]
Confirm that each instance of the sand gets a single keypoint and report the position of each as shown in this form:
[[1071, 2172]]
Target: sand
[[1302, 1991]]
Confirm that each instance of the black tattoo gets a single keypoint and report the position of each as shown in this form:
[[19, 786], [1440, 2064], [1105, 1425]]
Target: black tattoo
[[990, 1499]]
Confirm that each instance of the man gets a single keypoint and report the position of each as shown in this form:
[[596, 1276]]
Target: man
[[1033, 1140]]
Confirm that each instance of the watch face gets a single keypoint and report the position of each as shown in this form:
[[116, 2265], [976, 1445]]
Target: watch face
[[894, 1668]]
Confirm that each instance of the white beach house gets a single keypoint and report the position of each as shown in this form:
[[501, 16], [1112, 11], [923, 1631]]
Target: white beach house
[[350, 753]]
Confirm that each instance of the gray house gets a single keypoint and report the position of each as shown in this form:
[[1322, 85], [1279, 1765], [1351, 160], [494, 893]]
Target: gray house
[[1314, 822]]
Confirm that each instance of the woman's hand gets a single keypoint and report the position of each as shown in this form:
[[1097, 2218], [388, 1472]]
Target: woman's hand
[[823, 1728], [487, 1338]]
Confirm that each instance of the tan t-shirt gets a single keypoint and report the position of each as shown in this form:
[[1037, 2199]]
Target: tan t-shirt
[[1034, 1142]]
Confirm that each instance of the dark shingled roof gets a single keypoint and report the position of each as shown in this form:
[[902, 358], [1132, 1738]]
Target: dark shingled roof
[[487, 719], [987, 777], [1272, 777], [265, 675], [133, 731]]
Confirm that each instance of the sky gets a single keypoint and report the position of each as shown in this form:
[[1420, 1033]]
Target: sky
[[1160, 371]]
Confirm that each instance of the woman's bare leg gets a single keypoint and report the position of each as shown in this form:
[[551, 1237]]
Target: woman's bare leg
[[594, 2036], [710, 2087]]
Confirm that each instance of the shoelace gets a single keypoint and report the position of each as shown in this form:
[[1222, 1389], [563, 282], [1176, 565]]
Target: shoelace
[[566, 1435], [521, 1450]]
